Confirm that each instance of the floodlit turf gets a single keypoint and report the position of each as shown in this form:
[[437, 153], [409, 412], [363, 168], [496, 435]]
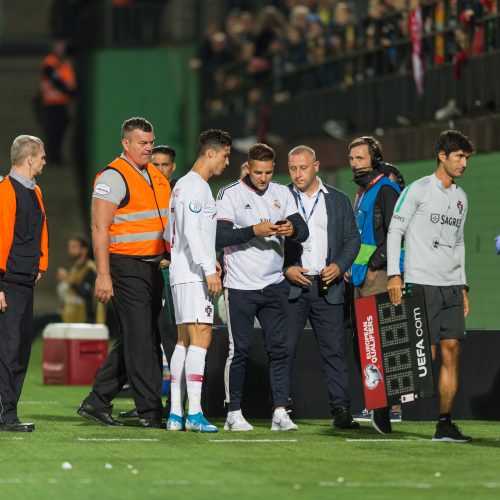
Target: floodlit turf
[[315, 462]]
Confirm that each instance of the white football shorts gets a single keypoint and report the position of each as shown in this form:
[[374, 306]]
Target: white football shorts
[[192, 304]]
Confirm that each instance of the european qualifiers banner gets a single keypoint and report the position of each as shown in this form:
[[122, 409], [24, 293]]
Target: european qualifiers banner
[[395, 350]]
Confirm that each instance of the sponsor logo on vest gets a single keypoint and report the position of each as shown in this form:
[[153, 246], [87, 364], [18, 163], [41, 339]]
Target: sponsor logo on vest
[[102, 189], [420, 348]]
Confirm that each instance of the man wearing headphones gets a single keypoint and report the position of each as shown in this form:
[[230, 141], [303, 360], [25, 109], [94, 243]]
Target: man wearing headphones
[[373, 208]]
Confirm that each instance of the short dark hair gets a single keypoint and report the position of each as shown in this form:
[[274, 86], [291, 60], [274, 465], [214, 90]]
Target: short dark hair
[[450, 141], [261, 152], [135, 123], [82, 239], [213, 139], [164, 150]]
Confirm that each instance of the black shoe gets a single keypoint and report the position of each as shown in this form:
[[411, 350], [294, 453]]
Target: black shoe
[[342, 418], [152, 423], [16, 426], [381, 420], [449, 432], [133, 413], [86, 410], [129, 414]]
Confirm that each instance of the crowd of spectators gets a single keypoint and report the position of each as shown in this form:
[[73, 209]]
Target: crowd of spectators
[[307, 44]]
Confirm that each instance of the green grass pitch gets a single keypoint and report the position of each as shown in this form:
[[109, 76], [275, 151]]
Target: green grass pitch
[[315, 462]]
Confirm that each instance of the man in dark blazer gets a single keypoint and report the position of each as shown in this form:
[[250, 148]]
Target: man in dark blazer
[[315, 270]]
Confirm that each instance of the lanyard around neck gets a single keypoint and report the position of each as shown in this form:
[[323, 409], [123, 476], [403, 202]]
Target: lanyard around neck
[[307, 218]]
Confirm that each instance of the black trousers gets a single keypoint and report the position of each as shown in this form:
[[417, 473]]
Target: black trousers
[[136, 354], [168, 328], [56, 122], [327, 322], [16, 335], [270, 307]]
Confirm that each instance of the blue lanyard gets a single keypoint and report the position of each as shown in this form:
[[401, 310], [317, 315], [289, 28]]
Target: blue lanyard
[[307, 218]]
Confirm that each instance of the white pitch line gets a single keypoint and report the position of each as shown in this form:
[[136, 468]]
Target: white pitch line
[[116, 439], [13, 438], [333, 484], [381, 440], [22, 481], [38, 402], [253, 440], [172, 482]]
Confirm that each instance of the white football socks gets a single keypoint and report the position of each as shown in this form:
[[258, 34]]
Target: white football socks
[[195, 368], [177, 379]]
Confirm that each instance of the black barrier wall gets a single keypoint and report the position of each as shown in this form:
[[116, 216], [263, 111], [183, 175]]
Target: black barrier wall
[[477, 397]]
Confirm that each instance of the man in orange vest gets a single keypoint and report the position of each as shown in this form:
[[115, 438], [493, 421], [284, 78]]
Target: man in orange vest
[[24, 256], [57, 87], [129, 213]]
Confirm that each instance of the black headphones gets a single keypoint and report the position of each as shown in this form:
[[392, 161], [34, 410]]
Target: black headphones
[[375, 152]]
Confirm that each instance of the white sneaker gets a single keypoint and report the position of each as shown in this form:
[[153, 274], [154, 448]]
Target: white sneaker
[[283, 422], [236, 422]]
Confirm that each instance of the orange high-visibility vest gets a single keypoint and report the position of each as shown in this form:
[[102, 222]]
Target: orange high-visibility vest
[[141, 218], [8, 207], [52, 96]]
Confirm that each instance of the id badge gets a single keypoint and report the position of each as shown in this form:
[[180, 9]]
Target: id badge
[[360, 220]]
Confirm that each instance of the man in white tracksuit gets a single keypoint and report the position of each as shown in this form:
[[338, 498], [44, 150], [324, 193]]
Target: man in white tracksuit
[[194, 277], [430, 215]]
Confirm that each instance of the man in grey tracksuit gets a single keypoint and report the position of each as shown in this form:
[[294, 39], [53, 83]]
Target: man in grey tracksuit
[[430, 215]]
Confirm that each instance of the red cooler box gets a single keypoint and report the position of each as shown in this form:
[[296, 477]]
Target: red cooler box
[[73, 352]]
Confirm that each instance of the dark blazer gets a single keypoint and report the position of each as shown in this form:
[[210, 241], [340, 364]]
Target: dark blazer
[[343, 242]]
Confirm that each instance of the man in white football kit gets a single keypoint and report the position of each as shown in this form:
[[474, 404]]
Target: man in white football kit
[[194, 277], [430, 215], [254, 216]]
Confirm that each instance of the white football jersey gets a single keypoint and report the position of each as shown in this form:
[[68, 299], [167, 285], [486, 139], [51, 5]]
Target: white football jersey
[[259, 262], [191, 230]]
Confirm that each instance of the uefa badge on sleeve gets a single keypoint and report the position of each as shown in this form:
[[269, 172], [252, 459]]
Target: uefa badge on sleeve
[[195, 206]]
